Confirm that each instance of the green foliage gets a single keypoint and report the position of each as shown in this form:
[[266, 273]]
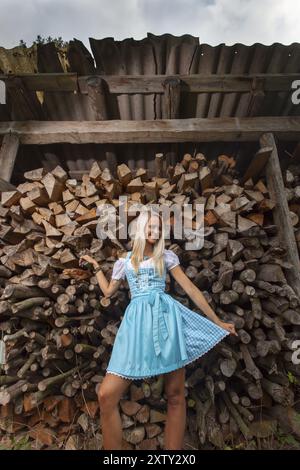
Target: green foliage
[[40, 40], [292, 378], [239, 446], [21, 443], [22, 43], [288, 440], [297, 418]]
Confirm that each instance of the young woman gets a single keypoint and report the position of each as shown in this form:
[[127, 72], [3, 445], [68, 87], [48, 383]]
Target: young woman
[[157, 335]]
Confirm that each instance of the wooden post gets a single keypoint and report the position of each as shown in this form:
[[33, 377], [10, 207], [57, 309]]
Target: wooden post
[[96, 89], [171, 98], [159, 165], [8, 154], [281, 212], [171, 103], [96, 94]]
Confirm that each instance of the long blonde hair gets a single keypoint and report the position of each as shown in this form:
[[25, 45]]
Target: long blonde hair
[[140, 241]]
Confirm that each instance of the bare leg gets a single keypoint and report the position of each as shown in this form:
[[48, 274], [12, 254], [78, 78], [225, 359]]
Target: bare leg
[[109, 394], [176, 414]]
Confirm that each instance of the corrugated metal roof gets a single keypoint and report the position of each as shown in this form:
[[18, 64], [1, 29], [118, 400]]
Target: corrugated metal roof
[[164, 55]]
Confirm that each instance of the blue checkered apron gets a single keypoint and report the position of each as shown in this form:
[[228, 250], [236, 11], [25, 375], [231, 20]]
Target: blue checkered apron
[[158, 334]]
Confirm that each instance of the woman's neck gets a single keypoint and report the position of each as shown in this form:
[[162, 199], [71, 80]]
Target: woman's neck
[[148, 250]]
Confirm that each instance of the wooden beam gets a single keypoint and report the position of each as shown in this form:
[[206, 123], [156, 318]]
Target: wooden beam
[[127, 84], [168, 130], [8, 154], [197, 83], [281, 213], [45, 81]]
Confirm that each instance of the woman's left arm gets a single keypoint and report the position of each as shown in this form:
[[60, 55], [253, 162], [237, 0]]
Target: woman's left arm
[[198, 298]]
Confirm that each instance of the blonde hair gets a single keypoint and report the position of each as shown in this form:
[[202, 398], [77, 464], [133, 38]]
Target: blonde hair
[[140, 241]]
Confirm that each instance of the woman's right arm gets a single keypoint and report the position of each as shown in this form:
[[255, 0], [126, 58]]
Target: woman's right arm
[[108, 288]]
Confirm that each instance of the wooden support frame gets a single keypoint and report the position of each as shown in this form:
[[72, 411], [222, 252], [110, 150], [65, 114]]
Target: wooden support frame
[[169, 130], [281, 213], [152, 131]]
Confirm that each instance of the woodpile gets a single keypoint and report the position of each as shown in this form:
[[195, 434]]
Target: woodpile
[[292, 191], [59, 329]]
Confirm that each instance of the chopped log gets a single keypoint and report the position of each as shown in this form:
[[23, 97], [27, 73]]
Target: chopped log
[[237, 417]]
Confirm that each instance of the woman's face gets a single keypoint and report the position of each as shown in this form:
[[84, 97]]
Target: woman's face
[[153, 229]]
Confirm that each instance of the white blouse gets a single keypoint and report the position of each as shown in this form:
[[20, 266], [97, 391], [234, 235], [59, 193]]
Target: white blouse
[[170, 258]]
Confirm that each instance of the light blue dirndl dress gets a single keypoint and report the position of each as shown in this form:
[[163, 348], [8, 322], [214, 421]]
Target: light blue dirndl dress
[[157, 334]]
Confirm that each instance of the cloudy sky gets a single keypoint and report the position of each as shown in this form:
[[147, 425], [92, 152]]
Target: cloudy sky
[[213, 21]]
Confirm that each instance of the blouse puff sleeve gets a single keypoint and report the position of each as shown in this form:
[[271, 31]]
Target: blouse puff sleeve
[[118, 271], [171, 259]]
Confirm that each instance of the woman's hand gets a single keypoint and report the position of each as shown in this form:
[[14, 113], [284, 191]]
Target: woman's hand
[[88, 259], [227, 326]]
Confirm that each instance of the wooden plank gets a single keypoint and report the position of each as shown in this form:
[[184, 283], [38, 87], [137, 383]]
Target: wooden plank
[[169, 130], [197, 83], [257, 164], [281, 212], [45, 81], [8, 154], [127, 84]]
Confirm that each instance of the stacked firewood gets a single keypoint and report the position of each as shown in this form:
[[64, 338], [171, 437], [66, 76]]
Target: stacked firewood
[[59, 330], [292, 190]]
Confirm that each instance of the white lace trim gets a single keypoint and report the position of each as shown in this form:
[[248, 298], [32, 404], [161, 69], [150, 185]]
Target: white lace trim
[[171, 260], [128, 377]]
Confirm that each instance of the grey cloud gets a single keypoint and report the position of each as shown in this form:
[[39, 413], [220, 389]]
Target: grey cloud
[[213, 21]]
